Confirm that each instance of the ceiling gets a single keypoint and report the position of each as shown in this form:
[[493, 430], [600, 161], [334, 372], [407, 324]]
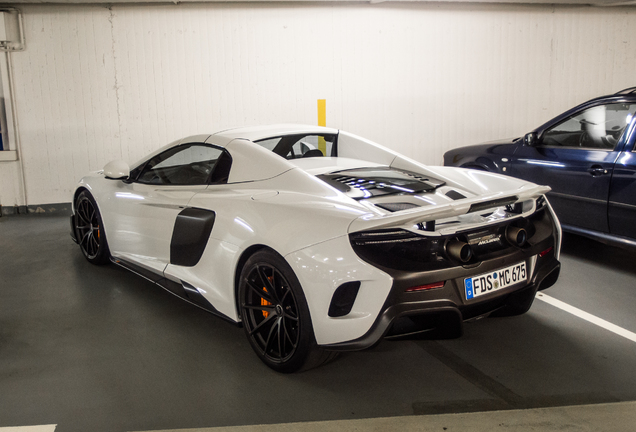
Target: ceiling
[[603, 3]]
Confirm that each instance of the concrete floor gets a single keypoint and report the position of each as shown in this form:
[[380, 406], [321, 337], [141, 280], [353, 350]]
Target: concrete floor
[[617, 417], [99, 349]]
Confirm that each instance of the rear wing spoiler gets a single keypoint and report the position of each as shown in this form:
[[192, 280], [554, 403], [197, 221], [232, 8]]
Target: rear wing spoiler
[[408, 218]]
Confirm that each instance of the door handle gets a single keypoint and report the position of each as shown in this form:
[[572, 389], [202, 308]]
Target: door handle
[[597, 170]]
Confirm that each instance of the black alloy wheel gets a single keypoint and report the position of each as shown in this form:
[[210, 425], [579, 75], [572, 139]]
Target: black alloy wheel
[[275, 315], [272, 313], [89, 230]]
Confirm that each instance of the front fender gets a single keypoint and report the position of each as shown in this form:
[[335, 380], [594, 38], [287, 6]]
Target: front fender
[[483, 163], [492, 156]]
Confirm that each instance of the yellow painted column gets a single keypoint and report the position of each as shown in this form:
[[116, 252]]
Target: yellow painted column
[[322, 121]]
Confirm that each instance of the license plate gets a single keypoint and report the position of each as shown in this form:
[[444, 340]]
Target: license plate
[[495, 280]]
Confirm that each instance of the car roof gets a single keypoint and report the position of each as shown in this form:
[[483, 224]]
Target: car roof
[[252, 133], [627, 91], [255, 133]]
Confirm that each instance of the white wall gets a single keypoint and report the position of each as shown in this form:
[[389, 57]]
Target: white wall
[[96, 84]]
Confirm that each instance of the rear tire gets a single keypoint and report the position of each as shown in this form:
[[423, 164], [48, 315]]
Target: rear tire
[[89, 229], [275, 315]]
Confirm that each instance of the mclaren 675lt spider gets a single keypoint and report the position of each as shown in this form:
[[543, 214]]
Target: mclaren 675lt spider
[[318, 241]]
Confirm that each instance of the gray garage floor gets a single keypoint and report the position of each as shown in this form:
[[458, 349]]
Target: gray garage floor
[[99, 349]]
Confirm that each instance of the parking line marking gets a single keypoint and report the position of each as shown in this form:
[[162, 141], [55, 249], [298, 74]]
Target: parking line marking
[[42, 428], [588, 317]]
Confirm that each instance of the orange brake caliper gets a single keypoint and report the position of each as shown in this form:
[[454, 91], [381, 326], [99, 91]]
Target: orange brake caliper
[[265, 302]]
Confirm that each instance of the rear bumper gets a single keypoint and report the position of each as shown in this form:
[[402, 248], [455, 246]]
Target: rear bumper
[[407, 313]]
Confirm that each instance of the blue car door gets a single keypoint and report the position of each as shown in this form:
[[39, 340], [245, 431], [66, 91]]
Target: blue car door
[[622, 199], [576, 158]]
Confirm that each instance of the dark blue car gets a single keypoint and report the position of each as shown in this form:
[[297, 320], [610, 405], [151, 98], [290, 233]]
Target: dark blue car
[[586, 155]]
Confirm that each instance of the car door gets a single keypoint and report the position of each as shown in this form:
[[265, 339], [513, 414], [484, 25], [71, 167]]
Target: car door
[[622, 199], [147, 206], [575, 158]]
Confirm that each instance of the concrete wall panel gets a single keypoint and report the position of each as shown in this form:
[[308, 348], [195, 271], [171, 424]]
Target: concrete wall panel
[[95, 84]]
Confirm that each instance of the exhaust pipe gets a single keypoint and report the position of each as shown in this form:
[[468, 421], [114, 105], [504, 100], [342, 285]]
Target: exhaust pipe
[[516, 236], [459, 250]]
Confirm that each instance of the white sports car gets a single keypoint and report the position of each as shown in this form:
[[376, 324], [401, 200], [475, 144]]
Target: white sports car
[[318, 241]]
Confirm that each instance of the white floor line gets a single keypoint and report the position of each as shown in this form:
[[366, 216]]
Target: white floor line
[[41, 428], [587, 317]]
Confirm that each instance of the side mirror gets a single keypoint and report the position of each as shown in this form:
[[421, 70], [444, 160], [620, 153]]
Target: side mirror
[[530, 139], [117, 170]]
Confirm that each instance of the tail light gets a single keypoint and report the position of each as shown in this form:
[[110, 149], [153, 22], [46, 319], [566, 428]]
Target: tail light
[[405, 250], [426, 287]]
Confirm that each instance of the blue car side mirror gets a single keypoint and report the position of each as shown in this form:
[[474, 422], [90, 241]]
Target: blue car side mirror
[[530, 139]]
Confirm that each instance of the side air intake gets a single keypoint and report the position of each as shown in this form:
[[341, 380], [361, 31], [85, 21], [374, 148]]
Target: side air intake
[[343, 299]]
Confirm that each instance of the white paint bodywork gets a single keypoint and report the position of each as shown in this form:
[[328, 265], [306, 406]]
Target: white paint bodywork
[[281, 204]]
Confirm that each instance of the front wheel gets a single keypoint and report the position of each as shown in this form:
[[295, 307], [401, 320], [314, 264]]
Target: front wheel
[[276, 316], [89, 229]]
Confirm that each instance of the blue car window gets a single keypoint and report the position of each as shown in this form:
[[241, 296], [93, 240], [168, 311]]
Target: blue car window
[[599, 127]]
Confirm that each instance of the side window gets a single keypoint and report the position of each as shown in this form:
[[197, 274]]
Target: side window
[[190, 164], [270, 143], [300, 146], [599, 127], [311, 146]]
